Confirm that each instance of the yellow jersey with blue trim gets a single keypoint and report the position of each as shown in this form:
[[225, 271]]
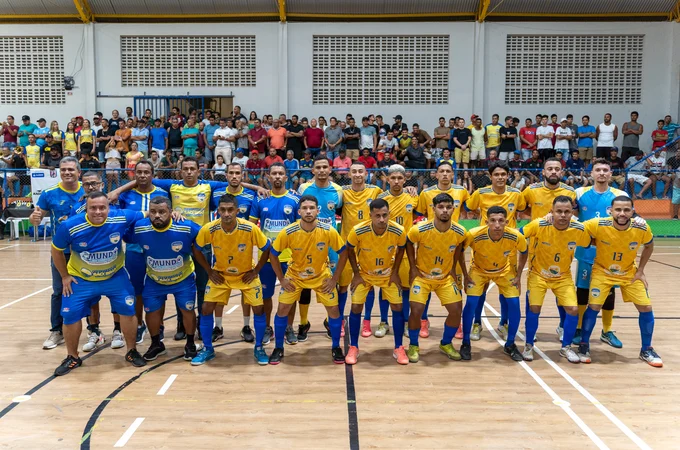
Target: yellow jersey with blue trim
[[402, 208], [540, 198], [355, 206], [375, 252], [232, 251], [426, 207], [483, 199], [192, 201], [551, 251], [435, 249], [616, 250], [489, 256], [96, 250], [309, 249]]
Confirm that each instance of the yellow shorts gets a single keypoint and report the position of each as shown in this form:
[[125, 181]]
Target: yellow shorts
[[391, 292], [563, 289], [219, 293], [404, 270], [502, 279], [288, 298], [601, 284], [461, 156], [346, 275], [446, 289]]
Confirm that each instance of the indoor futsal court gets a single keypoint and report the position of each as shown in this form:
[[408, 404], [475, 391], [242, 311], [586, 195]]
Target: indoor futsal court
[[617, 402]]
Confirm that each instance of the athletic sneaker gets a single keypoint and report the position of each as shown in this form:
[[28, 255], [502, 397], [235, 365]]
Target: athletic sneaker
[[261, 356], [56, 338], [650, 357], [577, 337], [180, 335], [503, 331], [328, 329], [190, 352], [413, 353], [424, 328], [459, 333], [400, 355], [513, 352], [217, 333], [366, 329], [465, 352], [162, 333], [154, 352], [337, 355], [247, 334], [528, 353], [302, 332], [268, 334], [141, 331], [276, 356], [117, 340], [449, 351], [584, 353], [610, 338], [67, 365], [476, 333], [352, 355], [290, 337], [94, 340], [203, 357], [570, 354], [383, 329], [135, 358], [560, 333]]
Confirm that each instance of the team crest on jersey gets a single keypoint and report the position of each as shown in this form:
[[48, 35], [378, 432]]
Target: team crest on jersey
[[265, 209], [632, 245], [584, 208], [456, 203], [129, 300], [409, 208], [83, 244], [511, 207], [571, 245], [233, 270], [320, 246], [416, 289], [177, 246], [114, 238], [190, 305], [286, 209], [595, 292], [368, 201], [146, 247], [201, 196], [207, 289], [452, 248], [330, 206], [243, 208], [241, 248]]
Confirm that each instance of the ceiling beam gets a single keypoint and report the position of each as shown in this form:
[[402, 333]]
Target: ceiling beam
[[184, 17], [84, 10], [674, 16], [378, 16], [483, 10], [282, 10], [577, 15]]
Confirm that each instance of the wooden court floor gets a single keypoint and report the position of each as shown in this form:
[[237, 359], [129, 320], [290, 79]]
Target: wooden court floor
[[307, 402]]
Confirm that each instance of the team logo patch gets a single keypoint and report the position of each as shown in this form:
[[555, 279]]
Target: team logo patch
[[416, 289], [86, 272], [265, 209], [200, 196], [554, 270], [207, 289], [595, 292], [146, 247], [609, 210], [286, 209], [177, 246], [436, 272], [368, 201], [83, 244], [409, 208], [615, 269], [585, 208], [232, 270], [633, 245], [129, 300], [456, 203], [452, 248], [114, 238], [189, 305], [511, 206], [330, 206], [571, 245], [241, 248], [66, 310], [320, 246]]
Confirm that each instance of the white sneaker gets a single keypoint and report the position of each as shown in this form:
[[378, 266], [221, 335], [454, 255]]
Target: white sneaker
[[117, 340], [382, 330], [94, 340], [528, 353], [476, 333], [56, 338], [560, 333], [571, 355], [503, 331]]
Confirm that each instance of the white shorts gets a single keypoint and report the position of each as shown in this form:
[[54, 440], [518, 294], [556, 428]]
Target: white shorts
[[476, 152], [638, 178], [504, 156]]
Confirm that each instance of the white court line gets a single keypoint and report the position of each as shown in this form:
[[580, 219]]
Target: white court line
[[24, 298], [5, 248], [129, 432], [167, 384], [25, 279], [232, 309]]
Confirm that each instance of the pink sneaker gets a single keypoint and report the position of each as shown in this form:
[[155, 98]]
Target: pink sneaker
[[424, 328], [400, 355], [352, 355], [366, 329], [459, 333]]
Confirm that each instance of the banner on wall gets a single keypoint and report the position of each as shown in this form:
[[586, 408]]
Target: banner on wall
[[42, 179]]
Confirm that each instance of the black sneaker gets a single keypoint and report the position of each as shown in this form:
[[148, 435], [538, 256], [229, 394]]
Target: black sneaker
[[513, 352], [67, 365], [338, 356], [154, 352], [217, 334], [134, 358], [268, 335], [465, 352], [190, 352], [276, 356], [162, 333], [302, 332], [180, 335], [290, 336], [247, 334], [328, 329]]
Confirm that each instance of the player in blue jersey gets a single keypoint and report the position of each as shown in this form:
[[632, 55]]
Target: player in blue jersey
[[95, 268], [166, 248], [57, 202]]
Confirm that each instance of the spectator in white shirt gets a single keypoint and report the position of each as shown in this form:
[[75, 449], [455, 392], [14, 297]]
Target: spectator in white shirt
[[563, 135], [659, 172], [224, 139], [544, 134]]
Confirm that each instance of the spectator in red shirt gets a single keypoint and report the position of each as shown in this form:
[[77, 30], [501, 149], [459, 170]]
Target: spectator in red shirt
[[313, 137], [659, 136], [553, 123], [341, 165], [255, 167], [272, 158], [367, 160], [527, 136], [9, 133], [257, 137]]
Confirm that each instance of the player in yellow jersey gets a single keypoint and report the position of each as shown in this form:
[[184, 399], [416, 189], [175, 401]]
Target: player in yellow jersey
[[439, 248], [492, 248], [551, 251], [493, 133], [511, 200], [617, 240], [232, 240], [310, 242]]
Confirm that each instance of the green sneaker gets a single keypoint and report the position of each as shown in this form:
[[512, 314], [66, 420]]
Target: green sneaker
[[413, 353], [476, 333], [449, 351]]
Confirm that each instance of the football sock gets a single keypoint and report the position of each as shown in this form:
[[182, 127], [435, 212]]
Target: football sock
[[354, 328], [190, 340], [280, 324], [260, 322], [405, 303], [607, 319], [335, 325], [413, 336], [449, 333], [218, 322], [479, 308], [504, 309], [531, 324], [468, 315], [589, 320], [514, 316], [368, 306], [398, 328], [246, 321], [646, 322], [304, 312], [116, 326], [206, 328], [156, 340], [569, 329], [342, 301], [427, 307], [563, 314]]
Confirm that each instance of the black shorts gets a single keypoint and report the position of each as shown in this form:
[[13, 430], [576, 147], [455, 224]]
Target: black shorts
[[602, 152]]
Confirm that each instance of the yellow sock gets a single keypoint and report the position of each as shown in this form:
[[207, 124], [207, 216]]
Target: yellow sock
[[304, 311], [581, 310], [607, 319]]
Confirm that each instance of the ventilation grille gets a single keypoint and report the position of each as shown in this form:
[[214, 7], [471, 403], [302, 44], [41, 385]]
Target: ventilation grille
[[369, 70], [187, 61], [573, 69], [32, 70]]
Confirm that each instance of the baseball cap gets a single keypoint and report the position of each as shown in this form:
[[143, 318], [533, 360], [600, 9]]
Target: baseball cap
[[397, 117], [79, 117], [254, 152], [563, 119], [473, 117], [41, 120], [517, 152], [239, 150], [25, 118]]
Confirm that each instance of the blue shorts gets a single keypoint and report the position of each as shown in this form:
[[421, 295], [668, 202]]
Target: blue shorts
[[136, 267], [88, 293], [268, 279], [184, 292], [583, 271]]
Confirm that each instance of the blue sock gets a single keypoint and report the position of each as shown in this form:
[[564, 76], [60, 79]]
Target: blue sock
[[206, 326], [405, 303], [449, 333], [368, 306], [646, 322], [398, 328], [587, 324], [479, 308], [280, 324], [354, 328], [260, 322], [515, 315], [335, 325], [570, 323], [563, 314], [469, 312], [342, 301], [504, 309], [427, 307], [384, 308], [531, 324], [413, 336]]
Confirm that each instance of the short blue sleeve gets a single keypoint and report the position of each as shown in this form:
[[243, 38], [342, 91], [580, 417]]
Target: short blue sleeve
[[166, 184], [44, 201], [62, 238]]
